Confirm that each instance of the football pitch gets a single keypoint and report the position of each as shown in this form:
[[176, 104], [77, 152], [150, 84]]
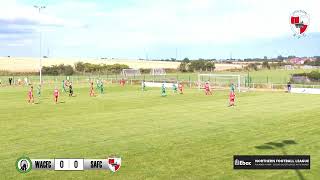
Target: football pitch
[[189, 136]]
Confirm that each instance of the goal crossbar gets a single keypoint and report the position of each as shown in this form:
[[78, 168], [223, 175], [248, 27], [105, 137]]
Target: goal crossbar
[[220, 75], [130, 72]]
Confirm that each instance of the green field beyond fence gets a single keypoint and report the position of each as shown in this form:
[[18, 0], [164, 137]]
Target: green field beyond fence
[[263, 79], [262, 76]]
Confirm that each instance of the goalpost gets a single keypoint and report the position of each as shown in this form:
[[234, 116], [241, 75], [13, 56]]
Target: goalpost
[[158, 72], [130, 72], [223, 80]]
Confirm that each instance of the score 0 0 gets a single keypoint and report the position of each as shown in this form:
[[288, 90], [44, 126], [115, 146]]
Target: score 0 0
[[68, 164]]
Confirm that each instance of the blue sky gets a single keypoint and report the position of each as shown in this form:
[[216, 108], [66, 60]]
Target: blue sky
[[134, 28]]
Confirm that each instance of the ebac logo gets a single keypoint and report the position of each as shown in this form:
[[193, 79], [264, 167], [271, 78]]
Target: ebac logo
[[299, 23], [238, 162]]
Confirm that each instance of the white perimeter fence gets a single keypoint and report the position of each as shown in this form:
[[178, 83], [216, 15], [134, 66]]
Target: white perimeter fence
[[187, 83]]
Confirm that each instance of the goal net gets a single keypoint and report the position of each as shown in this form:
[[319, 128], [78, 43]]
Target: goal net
[[157, 71], [219, 81], [130, 72]]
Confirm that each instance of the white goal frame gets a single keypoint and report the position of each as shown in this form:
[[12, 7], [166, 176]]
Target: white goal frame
[[136, 72], [220, 75], [155, 70]]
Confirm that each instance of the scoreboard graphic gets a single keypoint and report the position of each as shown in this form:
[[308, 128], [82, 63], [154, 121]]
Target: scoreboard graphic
[[25, 164]]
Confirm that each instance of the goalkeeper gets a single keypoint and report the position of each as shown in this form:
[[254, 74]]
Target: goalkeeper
[[143, 85], [289, 86], [163, 90]]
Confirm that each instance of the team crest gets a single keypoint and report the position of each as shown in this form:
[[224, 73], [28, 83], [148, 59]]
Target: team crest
[[23, 165], [114, 164], [299, 22]]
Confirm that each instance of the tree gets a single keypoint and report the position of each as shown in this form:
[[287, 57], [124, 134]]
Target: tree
[[79, 66], [98, 68], [266, 65], [197, 65], [186, 60], [58, 70], [210, 66], [252, 66], [183, 67], [201, 65], [68, 70], [313, 63], [317, 57]]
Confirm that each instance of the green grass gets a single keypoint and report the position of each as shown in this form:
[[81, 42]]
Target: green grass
[[190, 136]]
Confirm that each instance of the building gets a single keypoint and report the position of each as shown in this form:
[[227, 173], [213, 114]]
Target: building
[[299, 61]]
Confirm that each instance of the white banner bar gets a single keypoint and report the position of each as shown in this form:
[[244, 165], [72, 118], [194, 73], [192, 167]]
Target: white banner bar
[[305, 90]]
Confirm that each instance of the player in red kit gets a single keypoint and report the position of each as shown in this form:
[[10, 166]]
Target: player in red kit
[[180, 87], [30, 95], [232, 97], [207, 89], [91, 89], [56, 94], [122, 82]]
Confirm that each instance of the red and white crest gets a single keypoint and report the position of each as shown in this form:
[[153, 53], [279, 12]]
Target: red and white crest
[[299, 22], [114, 164]]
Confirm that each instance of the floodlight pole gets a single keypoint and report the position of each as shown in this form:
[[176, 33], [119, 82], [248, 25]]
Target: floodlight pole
[[176, 53], [40, 43]]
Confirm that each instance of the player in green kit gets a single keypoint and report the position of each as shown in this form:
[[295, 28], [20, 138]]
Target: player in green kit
[[63, 86], [39, 90], [98, 85], [101, 87], [163, 90], [174, 88], [232, 87]]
